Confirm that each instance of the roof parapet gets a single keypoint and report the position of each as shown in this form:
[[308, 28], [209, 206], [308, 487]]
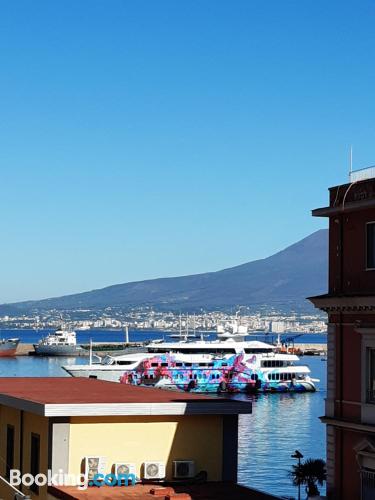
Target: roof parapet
[[362, 174]]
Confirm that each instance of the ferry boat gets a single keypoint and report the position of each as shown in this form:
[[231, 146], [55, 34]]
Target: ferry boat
[[8, 347], [195, 373], [277, 372], [59, 343]]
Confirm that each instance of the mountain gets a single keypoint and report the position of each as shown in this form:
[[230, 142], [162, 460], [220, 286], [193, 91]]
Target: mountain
[[286, 277]]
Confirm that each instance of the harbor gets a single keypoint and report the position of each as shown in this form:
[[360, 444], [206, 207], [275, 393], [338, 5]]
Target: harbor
[[103, 348], [296, 413], [279, 424]]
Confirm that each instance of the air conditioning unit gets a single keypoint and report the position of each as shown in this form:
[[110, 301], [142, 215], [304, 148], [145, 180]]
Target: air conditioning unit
[[183, 469], [154, 470], [124, 468], [94, 465]]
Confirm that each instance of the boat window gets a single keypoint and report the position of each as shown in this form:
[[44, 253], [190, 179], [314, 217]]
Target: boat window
[[164, 364], [224, 364], [187, 364], [202, 364], [146, 376], [108, 361], [122, 363], [178, 364], [151, 376], [249, 350], [154, 364]]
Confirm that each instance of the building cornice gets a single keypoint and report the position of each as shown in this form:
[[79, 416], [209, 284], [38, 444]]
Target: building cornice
[[332, 304], [344, 424], [351, 206], [226, 407]]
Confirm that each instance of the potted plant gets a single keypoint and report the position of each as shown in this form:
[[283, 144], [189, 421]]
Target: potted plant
[[310, 472]]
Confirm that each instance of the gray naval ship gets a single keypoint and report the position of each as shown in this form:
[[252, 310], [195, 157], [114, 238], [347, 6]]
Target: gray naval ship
[[62, 342]]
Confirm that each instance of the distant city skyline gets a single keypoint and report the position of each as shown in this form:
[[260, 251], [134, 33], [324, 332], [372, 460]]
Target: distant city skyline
[[154, 139]]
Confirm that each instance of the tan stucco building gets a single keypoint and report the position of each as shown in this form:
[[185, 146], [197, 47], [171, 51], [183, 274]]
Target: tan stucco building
[[56, 423]]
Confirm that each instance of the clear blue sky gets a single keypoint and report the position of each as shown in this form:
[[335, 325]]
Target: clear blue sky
[[142, 139]]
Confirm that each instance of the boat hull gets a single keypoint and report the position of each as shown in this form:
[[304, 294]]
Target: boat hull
[[56, 350], [8, 347]]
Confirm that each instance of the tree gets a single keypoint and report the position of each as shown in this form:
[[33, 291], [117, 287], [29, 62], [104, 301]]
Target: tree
[[310, 473]]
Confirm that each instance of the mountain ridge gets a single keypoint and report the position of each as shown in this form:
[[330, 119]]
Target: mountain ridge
[[287, 276]]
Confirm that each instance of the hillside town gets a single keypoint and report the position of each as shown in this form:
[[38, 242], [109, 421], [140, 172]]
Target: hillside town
[[270, 321]]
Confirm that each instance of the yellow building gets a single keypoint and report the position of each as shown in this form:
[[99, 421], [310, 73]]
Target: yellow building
[[78, 426]]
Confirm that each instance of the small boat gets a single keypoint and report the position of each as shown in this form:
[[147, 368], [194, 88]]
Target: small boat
[[8, 347], [59, 343]]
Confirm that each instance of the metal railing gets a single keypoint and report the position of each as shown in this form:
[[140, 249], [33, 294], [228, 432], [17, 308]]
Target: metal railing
[[367, 485], [362, 174], [18, 495]]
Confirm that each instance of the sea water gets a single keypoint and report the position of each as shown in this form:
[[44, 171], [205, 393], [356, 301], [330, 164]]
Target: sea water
[[279, 423]]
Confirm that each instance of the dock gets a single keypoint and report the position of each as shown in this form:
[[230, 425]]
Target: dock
[[117, 348], [100, 348]]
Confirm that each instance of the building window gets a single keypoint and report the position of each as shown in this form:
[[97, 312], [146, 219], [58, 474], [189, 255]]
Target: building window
[[370, 253], [35, 459], [10, 450], [367, 485], [370, 375]]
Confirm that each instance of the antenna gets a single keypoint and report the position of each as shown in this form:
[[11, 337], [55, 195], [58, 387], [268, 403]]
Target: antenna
[[351, 159]]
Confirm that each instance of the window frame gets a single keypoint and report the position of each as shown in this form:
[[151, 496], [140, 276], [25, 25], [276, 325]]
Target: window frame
[[369, 223], [34, 470], [369, 399], [9, 466]]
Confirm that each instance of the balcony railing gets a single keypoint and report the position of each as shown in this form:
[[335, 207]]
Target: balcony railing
[[368, 485], [362, 174], [370, 396]]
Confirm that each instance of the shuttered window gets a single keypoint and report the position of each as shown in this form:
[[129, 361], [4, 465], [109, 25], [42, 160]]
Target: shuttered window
[[10, 450], [370, 254], [35, 459]]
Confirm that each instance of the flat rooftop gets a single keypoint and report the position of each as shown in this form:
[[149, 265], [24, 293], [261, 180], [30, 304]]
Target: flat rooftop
[[62, 396], [205, 491]]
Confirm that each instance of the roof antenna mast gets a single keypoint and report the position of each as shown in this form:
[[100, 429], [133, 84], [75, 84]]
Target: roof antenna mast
[[351, 161]]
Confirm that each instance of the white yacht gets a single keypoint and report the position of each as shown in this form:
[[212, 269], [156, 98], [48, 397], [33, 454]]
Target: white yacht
[[276, 370]]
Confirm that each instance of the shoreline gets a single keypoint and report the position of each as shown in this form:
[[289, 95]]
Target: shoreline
[[27, 349]]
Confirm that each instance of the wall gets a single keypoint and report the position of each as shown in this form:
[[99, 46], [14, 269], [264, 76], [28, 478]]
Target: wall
[[140, 439], [38, 425], [31, 423], [348, 232]]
